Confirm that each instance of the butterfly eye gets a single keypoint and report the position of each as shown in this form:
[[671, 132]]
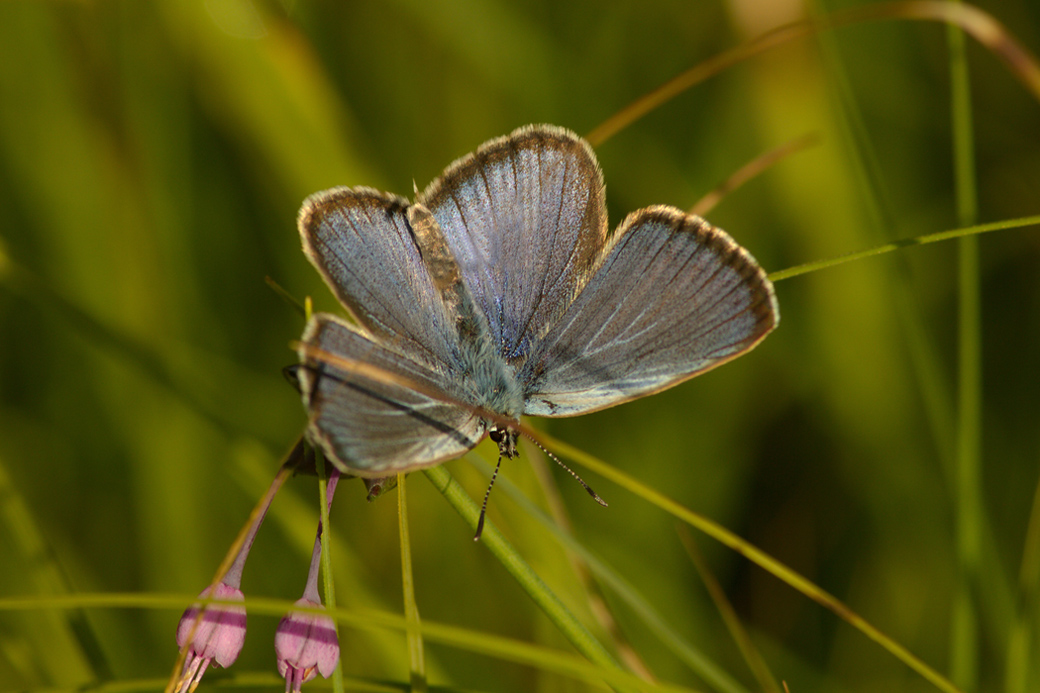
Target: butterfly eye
[[497, 435]]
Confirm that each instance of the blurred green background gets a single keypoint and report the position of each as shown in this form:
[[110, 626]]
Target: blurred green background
[[153, 156]]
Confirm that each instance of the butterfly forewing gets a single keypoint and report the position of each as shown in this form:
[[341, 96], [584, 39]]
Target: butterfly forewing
[[672, 297], [525, 218], [388, 414], [359, 240]]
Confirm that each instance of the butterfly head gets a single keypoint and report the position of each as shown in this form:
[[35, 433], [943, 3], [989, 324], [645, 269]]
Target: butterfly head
[[505, 438]]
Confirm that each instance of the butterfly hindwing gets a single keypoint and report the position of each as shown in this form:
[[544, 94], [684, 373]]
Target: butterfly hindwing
[[373, 410]]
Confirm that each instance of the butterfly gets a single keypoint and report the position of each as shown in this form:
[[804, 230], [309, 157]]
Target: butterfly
[[497, 293]]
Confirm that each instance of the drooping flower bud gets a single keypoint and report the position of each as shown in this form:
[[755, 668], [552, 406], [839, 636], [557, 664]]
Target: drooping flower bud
[[217, 636], [306, 643]]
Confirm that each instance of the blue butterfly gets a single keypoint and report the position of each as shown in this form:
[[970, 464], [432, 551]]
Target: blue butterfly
[[498, 294]]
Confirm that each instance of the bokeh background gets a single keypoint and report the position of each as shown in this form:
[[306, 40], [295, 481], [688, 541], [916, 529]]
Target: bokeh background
[[153, 156]]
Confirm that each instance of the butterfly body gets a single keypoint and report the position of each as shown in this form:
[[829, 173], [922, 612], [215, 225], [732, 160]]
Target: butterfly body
[[497, 293]]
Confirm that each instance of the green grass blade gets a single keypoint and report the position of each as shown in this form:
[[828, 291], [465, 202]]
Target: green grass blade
[[694, 658], [328, 583], [752, 657], [758, 557], [411, 607], [372, 621], [884, 248], [496, 543], [75, 654], [1021, 651], [964, 646]]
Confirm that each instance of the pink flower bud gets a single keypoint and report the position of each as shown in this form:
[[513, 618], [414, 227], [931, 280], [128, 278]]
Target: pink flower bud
[[217, 636], [306, 645]]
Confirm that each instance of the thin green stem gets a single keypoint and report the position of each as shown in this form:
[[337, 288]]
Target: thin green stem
[[1021, 641], [411, 607], [884, 248], [756, 663], [521, 652], [965, 619], [328, 583]]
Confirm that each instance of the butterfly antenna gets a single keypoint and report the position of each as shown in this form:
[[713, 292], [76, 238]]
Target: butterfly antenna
[[483, 507], [570, 471]]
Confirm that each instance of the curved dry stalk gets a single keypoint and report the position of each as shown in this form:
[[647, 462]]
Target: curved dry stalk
[[981, 26], [751, 169]]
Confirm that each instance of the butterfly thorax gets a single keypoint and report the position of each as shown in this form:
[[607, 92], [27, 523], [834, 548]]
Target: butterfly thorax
[[487, 380]]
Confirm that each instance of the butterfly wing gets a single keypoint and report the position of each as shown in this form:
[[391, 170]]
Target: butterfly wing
[[671, 297], [525, 219], [360, 241], [373, 410]]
